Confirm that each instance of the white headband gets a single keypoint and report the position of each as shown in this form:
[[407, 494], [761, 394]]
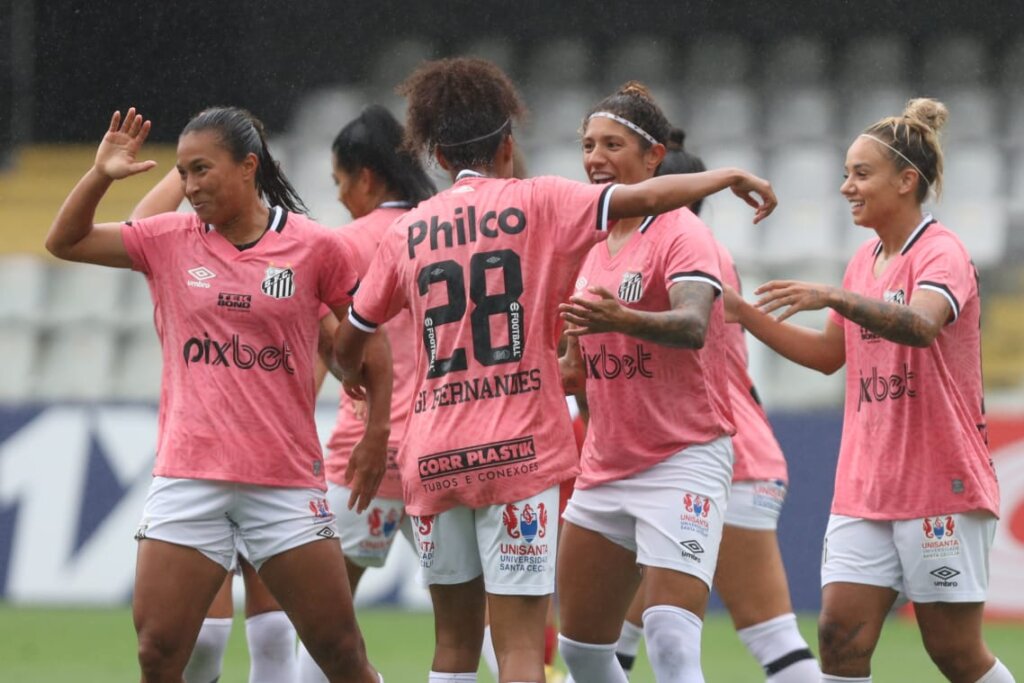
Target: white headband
[[478, 138], [627, 123], [904, 156]]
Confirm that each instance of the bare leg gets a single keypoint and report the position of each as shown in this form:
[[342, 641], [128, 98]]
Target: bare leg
[[849, 626], [951, 632]]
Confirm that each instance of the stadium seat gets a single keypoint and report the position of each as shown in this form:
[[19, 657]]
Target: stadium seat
[[798, 60], [806, 114], [972, 114], [76, 362], [953, 60], [564, 160], [806, 172], [973, 171], [557, 113], [869, 104], [18, 347], [715, 59], [560, 61], [137, 303], [23, 283], [870, 61], [729, 218], [81, 292], [719, 114], [981, 224], [1013, 108], [319, 116], [497, 49], [642, 57], [139, 365]]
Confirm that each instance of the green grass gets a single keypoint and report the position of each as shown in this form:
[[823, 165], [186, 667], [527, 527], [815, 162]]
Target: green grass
[[86, 645]]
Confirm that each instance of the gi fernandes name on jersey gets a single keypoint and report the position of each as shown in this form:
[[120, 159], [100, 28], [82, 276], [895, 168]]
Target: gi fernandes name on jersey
[[482, 267]]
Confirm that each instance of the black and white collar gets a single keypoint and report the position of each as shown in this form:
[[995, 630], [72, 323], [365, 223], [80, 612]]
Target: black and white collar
[[926, 221], [275, 220]]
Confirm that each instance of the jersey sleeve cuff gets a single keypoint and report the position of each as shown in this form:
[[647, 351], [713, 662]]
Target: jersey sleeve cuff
[[697, 276], [944, 291], [603, 205], [360, 322]]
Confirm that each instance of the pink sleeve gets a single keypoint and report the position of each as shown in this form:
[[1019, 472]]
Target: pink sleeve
[[944, 268], [692, 256], [847, 279], [577, 211], [380, 297], [338, 276], [141, 238]]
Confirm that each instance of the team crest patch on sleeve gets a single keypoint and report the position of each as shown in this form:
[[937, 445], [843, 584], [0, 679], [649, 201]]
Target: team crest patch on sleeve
[[278, 283], [631, 288]]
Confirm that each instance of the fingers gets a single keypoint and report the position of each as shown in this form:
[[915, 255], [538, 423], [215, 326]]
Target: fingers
[[141, 167], [601, 292], [115, 122]]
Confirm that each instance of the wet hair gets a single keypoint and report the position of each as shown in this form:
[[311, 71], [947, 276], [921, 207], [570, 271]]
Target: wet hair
[[242, 134], [634, 102], [915, 137], [373, 140], [678, 160], [465, 106]]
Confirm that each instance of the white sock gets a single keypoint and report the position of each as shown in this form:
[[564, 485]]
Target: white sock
[[673, 644], [997, 674], [208, 655], [271, 639], [780, 649], [828, 678], [591, 662], [628, 645], [488, 653], [309, 670], [436, 677]]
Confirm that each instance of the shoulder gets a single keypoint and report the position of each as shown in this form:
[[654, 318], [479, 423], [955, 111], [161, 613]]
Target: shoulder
[[940, 240], [172, 224]]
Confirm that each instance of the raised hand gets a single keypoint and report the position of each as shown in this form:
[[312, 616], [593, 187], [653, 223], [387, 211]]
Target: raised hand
[[116, 156], [797, 296], [588, 316], [747, 186]]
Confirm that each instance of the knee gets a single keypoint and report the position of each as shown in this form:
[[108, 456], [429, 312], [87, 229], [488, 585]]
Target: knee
[[956, 660], [157, 653], [844, 647], [337, 653]]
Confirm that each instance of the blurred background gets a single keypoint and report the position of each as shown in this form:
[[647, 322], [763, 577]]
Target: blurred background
[[777, 88]]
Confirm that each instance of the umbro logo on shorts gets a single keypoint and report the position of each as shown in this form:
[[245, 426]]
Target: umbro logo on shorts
[[692, 546], [326, 532], [944, 573]]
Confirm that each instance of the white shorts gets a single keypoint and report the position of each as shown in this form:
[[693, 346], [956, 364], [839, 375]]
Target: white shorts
[[670, 515], [211, 516], [366, 537], [756, 504], [931, 559], [513, 545]]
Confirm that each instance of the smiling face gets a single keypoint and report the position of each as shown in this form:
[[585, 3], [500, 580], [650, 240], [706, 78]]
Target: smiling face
[[875, 188], [216, 185], [614, 154]]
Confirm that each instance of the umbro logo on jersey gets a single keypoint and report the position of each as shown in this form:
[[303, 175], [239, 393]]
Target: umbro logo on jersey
[[631, 288], [200, 275], [278, 283]]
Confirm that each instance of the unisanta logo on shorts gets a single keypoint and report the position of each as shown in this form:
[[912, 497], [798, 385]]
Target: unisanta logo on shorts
[[528, 525], [935, 527], [236, 353], [319, 508], [697, 505], [424, 524], [382, 526]]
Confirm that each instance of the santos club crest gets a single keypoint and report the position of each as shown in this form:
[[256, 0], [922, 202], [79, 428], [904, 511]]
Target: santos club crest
[[279, 283], [631, 288]]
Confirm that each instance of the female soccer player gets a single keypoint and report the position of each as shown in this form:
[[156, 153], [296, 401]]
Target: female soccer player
[[916, 497], [377, 182], [649, 328], [750, 577], [236, 289], [482, 266]]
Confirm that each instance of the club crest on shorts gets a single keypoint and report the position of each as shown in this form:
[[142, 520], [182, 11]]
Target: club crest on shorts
[[319, 508], [424, 524], [278, 283], [527, 525], [697, 505], [379, 525], [631, 288], [936, 527]]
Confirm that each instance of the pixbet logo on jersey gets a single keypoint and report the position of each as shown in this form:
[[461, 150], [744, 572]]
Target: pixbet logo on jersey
[[235, 352], [607, 365], [876, 388]]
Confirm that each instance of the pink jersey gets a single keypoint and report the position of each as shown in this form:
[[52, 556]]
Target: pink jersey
[[914, 433], [649, 401], [363, 236], [483, 267], [758, 454], [239, 332]]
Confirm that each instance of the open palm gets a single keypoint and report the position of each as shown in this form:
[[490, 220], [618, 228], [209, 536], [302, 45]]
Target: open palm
[[116, 156]]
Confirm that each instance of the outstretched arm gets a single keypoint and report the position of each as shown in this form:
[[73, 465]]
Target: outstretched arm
[[165, 196], [74, 235], [824, 351], [666, 193], [684, 325]]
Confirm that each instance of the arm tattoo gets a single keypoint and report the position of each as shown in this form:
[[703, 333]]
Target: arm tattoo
[[897, 323], [682, 326]]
